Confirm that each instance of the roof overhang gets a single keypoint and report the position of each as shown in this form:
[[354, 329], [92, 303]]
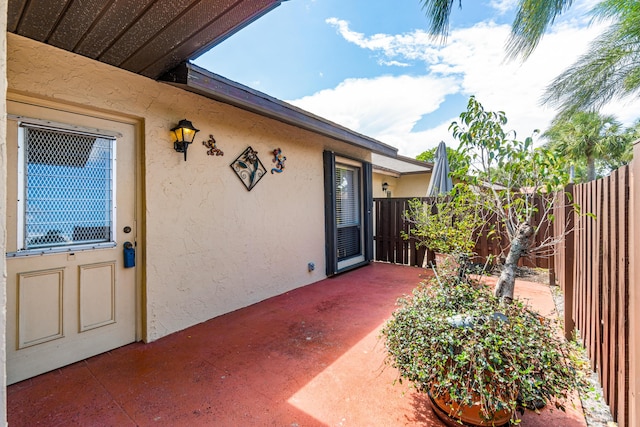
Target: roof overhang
[[147, 37], [194, 79], [399, 165], [156, 38]]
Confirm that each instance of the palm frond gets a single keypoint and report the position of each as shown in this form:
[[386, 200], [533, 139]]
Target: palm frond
[[438, 13], [610, 69], [532, 20]]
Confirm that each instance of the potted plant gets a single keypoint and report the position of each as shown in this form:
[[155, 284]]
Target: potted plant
[[478, 359], [447, 225]]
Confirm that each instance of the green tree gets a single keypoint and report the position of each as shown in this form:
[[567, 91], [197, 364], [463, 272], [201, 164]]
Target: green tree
[[611, 67], [631, 135], [456, 160], [532, 19], [526, 174], [589, 138]]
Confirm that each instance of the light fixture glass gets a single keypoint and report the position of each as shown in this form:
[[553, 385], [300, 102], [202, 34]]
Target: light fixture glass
[[184, 134]]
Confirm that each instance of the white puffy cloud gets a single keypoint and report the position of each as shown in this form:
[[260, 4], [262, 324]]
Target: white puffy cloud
[[476, 55], [471, 63], [386, 108], [382, 105], [416, 45], [503, 6]]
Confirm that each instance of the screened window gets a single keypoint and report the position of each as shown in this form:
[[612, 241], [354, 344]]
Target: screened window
[[67, 187], [348, 216]]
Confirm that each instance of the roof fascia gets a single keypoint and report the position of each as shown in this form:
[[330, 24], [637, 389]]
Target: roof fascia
[[198, 80], [415, 161], [386, 171]]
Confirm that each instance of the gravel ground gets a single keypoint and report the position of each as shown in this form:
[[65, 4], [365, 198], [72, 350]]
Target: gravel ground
[[596, 411]]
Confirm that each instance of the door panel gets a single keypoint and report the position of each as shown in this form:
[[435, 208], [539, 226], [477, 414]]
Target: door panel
[[97, 295], [69, 296], [39, 307]]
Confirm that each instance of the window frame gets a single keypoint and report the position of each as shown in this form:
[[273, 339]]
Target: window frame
[[21, 233], [358, 218], [333, 265]]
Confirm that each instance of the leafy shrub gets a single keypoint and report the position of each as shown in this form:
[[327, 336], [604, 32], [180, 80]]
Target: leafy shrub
[[456, 339], [449, 225]]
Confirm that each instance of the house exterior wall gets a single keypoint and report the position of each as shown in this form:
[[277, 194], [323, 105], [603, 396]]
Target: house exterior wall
[[378, 179], [208, 245], [413, 185], [410, 185]]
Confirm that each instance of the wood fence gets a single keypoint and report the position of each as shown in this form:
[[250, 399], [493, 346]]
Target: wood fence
[[592, 266], [390, 247], [389, 224]]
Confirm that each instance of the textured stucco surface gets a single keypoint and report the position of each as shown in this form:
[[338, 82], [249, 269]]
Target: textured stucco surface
[[210, 246], [410, 185]]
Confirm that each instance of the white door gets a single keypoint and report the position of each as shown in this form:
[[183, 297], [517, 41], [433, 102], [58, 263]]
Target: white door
[[70, 209]]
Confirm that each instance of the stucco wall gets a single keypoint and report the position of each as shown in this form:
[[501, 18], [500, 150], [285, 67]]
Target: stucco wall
[[410, 185], [210, 245], [414, 185]]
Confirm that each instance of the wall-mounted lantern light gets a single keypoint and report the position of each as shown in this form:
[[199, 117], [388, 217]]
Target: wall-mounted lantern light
[[385, 187], [184, 134]]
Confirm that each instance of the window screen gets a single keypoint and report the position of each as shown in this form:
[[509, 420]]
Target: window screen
[[348, 211], [68, 188]]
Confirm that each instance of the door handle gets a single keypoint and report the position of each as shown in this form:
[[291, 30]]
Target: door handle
[[129, 255]]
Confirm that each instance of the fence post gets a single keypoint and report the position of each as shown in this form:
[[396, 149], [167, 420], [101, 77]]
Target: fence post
[[634, 289], [569, 259]]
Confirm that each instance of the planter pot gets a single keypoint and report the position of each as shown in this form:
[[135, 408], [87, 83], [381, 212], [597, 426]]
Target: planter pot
[[447, 260], [455, 415]]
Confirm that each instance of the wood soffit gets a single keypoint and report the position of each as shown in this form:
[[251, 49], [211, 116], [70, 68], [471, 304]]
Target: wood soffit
[[157, 38], [147, 37]]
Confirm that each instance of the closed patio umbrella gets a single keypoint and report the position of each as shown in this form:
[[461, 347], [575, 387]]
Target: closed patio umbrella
[[440, 180], [440, 183]]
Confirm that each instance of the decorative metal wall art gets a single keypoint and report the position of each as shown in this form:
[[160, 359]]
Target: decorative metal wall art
[[278, 159], [211, 145], [249, 168]]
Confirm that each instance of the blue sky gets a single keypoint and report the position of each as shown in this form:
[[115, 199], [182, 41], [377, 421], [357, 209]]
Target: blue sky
[[369, 65]]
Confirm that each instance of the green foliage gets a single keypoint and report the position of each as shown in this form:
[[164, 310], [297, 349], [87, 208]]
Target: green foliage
[[447, 224], [513, 180], [456, 159], [507, 173], [591, 141], [610, 69], [532, 20], [438, 13], [455, 338]]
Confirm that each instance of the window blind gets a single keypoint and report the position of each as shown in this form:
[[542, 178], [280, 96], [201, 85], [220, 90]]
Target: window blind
[[348, 216]]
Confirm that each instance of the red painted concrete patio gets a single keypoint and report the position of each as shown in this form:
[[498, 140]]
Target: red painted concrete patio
[[310, 357]]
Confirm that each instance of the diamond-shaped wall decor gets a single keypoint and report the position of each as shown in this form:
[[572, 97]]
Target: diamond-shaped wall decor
[[249, 168]]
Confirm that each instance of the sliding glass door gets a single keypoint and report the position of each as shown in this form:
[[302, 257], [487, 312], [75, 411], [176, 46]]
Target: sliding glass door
[[348, 213]]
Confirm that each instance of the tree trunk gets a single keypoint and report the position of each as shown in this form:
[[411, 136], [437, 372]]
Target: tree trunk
[[591, 168], [519, 246]]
